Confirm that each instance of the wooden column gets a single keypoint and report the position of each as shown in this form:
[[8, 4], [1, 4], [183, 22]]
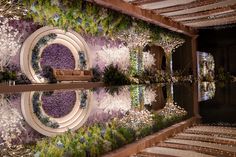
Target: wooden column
[[194, 55]]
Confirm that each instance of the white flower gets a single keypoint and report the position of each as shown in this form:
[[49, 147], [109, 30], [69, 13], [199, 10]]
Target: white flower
[[11, 121], [9, 41], [148, 60], [115, 55]]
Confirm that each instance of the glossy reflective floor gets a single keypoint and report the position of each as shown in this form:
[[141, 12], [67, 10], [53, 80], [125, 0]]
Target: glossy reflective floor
[[26, 117]]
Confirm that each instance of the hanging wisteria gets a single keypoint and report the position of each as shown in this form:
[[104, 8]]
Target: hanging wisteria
[[9, 41]]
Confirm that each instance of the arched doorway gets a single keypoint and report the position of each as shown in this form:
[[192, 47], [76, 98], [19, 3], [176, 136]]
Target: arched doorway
[[159, 54]]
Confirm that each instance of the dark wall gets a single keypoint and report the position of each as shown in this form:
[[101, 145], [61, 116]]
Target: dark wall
[[221, 43], [182, 57], [222, 107]]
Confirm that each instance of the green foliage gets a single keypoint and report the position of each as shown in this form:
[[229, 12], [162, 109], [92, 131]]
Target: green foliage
[[96, 140], [79, 15], [97, 74], [7, 76], [114, 76], [88, 18]]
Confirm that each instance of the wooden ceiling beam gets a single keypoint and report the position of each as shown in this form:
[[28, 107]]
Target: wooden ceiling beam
[[146, 15], [164, 4], [219, 4], [206, 19], [141, 2], [203, 13], [194, 4], [213, 22]]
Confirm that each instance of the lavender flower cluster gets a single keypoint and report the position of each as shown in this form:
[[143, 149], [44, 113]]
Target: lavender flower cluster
[[59, 104], [57, 56]]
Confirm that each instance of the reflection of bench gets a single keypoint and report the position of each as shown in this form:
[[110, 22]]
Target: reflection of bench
[[72, 75]]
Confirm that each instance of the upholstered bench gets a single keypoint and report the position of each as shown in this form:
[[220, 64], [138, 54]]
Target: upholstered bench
[[72, 75]]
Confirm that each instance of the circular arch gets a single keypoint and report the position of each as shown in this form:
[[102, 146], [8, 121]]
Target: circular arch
[[33, 46], [74, 120]]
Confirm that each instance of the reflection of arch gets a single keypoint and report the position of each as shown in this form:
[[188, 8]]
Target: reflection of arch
[[159, 54], [159, 100], [75, 119], [70, 39]]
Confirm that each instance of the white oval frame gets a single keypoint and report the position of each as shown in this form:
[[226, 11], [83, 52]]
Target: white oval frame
[[71, 39], [74, 120]]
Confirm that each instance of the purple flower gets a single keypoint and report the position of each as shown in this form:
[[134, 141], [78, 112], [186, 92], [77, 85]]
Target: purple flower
[[57, 56], [59, 104]]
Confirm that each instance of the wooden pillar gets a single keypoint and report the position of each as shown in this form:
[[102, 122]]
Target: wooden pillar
[[194, 55]]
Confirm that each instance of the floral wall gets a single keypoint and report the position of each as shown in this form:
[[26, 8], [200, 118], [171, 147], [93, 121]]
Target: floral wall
[[113, 38], [103, 51]]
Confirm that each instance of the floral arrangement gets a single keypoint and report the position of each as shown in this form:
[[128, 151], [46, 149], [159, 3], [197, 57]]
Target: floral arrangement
[[9, 41], [57, 56], [168, 41], [98, 139], [136, 120], [59, 103], [115, 55], [171, 109], [148, 60], [135, 37]]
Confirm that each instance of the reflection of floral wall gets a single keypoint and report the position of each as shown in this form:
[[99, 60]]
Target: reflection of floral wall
[[11, 121], [58, 103], [149, 95], [120, 101]]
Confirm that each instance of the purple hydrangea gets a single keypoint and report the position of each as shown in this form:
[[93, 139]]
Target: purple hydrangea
[[59, 103], [57, 56]]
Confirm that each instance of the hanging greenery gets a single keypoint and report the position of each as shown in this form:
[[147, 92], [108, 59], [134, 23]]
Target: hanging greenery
[[84, 17], [88, 18]]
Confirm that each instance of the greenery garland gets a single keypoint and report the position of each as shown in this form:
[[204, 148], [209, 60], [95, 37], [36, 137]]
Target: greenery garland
[[83, 99], [45, 120], [35, 52]]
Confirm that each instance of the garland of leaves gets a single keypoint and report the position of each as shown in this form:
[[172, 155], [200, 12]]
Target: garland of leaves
[[35, 52], [82, 60], [37, 105], [83, 99]]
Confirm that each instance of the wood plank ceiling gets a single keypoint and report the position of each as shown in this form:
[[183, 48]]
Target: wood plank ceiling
[[192, 13]]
